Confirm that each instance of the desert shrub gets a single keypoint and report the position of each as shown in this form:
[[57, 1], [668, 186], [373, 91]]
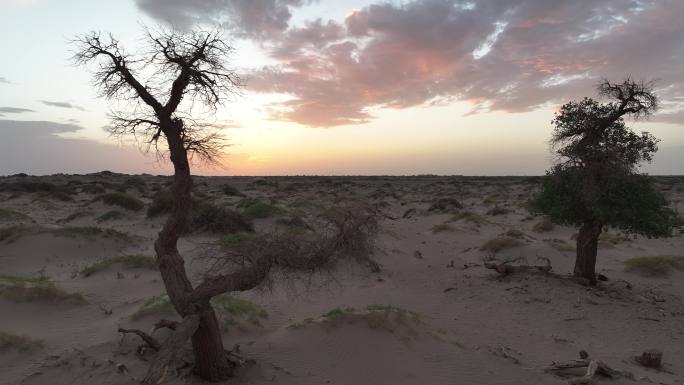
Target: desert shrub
[[12, 233], [543, 226], [132, 261], [122, 200], [110, 216], [498, 210], [231, 191], [378, 317], [515, 233], [608, 239], [445, 205], [257, 209], [75, 215], [500, 243], [11, 215], [161, 204], [218, 219], [294, 222], [89, 232], [160, 304], [233, 310], [19, 343], [560, 244], [442, 227], [35, 186], [658, 265], [468, 216], [93, 188], [23, 289], [134, 182]]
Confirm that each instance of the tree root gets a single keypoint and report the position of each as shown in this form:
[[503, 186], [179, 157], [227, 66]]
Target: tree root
[[594, 367], [149, 340], [159, 370]]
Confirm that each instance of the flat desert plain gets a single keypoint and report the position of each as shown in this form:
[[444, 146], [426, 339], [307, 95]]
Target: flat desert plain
[[76, 264]]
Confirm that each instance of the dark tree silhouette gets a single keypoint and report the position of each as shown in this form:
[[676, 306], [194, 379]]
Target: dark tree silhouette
[[595, 182], [182, 70]]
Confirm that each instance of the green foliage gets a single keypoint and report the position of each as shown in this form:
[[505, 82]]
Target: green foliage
[[659, 265], [19, 343], [630, 203], [122, 200], [133, 261], [596, 181]]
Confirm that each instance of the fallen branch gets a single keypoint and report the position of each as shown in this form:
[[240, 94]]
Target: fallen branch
[[594, 367], [505, 268], [164, 323], [149, 340]]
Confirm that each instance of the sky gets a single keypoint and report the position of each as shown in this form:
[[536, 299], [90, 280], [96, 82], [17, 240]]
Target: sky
[[348, 87]]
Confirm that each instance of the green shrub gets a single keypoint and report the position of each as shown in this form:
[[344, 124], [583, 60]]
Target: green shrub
[[11, 215], [19, 343], [133, 261], [468, 216], [233, 310], [658, 265], [24, 289], [162, 203], [500, 243], [256, 209], [122, 200], [89, 232], [216, 219], [160, 304], [12, 233], [231, 191]]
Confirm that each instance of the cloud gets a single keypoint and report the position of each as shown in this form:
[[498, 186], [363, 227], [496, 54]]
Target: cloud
[[14, 110], [509, 55], [62, 105], [262, 18], [36, 147], [676, 117], [4, 80]]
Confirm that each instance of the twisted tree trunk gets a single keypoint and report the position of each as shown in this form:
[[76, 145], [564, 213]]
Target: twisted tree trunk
[[587, 247], [210, 358]]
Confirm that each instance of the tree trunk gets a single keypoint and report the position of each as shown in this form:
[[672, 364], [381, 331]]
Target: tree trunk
[[210, 358], [587, 245]]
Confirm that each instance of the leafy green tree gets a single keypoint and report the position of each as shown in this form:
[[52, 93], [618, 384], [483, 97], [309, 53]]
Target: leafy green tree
[[595, 182]]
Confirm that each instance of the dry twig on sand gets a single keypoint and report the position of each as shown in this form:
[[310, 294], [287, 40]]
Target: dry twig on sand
[[594, 367], [505, 268]]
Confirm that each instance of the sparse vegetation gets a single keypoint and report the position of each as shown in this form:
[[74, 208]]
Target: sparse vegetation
[[110, 216], [132, 261], [11, 215], [75, 215], [498, 210], [444, 205], [442, 227], [233, 310], [468, 216], [156, 305], [42, 289], [659, 265], [219, 219], [12, 233], [90, 232], [501, 243], [19, 343], [122, 200], [161, 204], [257, 209], [560, 244], [231, 191], [543, 226]]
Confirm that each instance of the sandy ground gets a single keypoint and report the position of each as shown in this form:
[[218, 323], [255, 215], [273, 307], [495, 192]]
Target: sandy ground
[[466, 324]]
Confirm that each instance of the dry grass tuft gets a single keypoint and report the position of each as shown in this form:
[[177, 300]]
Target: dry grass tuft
[[501, 243], [25, 289], [19, 343], [659, 265]]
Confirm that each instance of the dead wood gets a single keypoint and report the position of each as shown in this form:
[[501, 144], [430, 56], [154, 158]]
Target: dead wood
[[149, 340], [162, 364]]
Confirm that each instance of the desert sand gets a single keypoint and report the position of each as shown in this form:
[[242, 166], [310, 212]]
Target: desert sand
[[433, 314]]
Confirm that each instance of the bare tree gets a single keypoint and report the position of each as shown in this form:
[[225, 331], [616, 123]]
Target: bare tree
[[181, 70]]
